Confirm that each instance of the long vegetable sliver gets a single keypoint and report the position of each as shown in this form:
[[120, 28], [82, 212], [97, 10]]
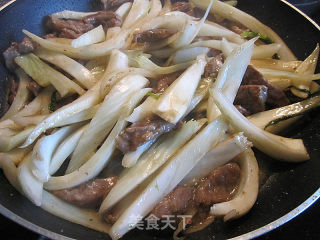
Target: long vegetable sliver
[[281, 148]]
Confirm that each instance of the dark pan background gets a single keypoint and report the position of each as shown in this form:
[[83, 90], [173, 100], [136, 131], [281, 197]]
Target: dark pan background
[[285, 186]]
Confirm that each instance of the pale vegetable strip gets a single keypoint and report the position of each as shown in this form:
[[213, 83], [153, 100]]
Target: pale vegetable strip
[[146, 63], [75, 69], [188, 54], [87, 52], [66, 14], [131, 158], [87, 100], [266, 51], [247, 193], [190, 30], [43, 151], [221, 154], [288, 66], [278, 147], [262, 119], [55, 206], [95, 35], [224, 10], [64, 150], [21, 97], [150, 162], [31, 187], [28, 120], [230, 75], [123, 10], [295, 77], [9, 143], [169, 176], [104, 119], [17, 154], [139, 9], [38, 70], [85, 217], [214, 30], [308, 66], [175, 101], [78, 117], [98, 161]]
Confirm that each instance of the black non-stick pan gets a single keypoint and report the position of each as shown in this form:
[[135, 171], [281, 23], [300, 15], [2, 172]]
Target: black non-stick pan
[[285, 186]]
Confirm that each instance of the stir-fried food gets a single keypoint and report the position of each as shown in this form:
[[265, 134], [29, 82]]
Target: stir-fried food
[[148, 110]]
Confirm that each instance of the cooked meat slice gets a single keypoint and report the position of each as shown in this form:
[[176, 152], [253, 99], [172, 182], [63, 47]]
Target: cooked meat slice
[[213, 66], [164, 82], [276, 96], [50, 35], [107, 19], [154, 35], [34, 87], [26, 46], [174, 203], [12, 90], [68, 28], [141, 132], [252, 97], [183, 7], [219, 186], [88, 194], [113, 4], [10, 54], [242, 110], [15, 50]]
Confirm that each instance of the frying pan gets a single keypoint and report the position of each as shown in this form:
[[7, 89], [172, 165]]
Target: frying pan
[[286, 189]]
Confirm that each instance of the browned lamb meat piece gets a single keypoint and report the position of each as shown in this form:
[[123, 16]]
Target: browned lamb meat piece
[[164, 82], [252, 97], [213, 66], [242, 110], [15, 50], [88, 194], [154, 35], [68, 28], [183, 7], [219, 186], [34, 87], [175, 202], [276, 97], [107, 19], [141, 132]]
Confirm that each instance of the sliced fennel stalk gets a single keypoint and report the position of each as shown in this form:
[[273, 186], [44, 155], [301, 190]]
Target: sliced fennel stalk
[[168, 177], [105, 118], [230, 75], [227, 11], [262, 119], [99, 160], [149, 163], [39, 70], [21, 98], [75, 69], [286, 149], [174, 102], [53, 205]]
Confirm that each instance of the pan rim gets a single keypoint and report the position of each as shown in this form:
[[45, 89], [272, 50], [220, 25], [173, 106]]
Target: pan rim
[[249, 235]]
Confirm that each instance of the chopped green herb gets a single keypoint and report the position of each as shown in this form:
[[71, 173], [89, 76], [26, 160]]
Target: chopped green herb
[[156, 96], [276, 56], [53, 103], [262, 37]]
